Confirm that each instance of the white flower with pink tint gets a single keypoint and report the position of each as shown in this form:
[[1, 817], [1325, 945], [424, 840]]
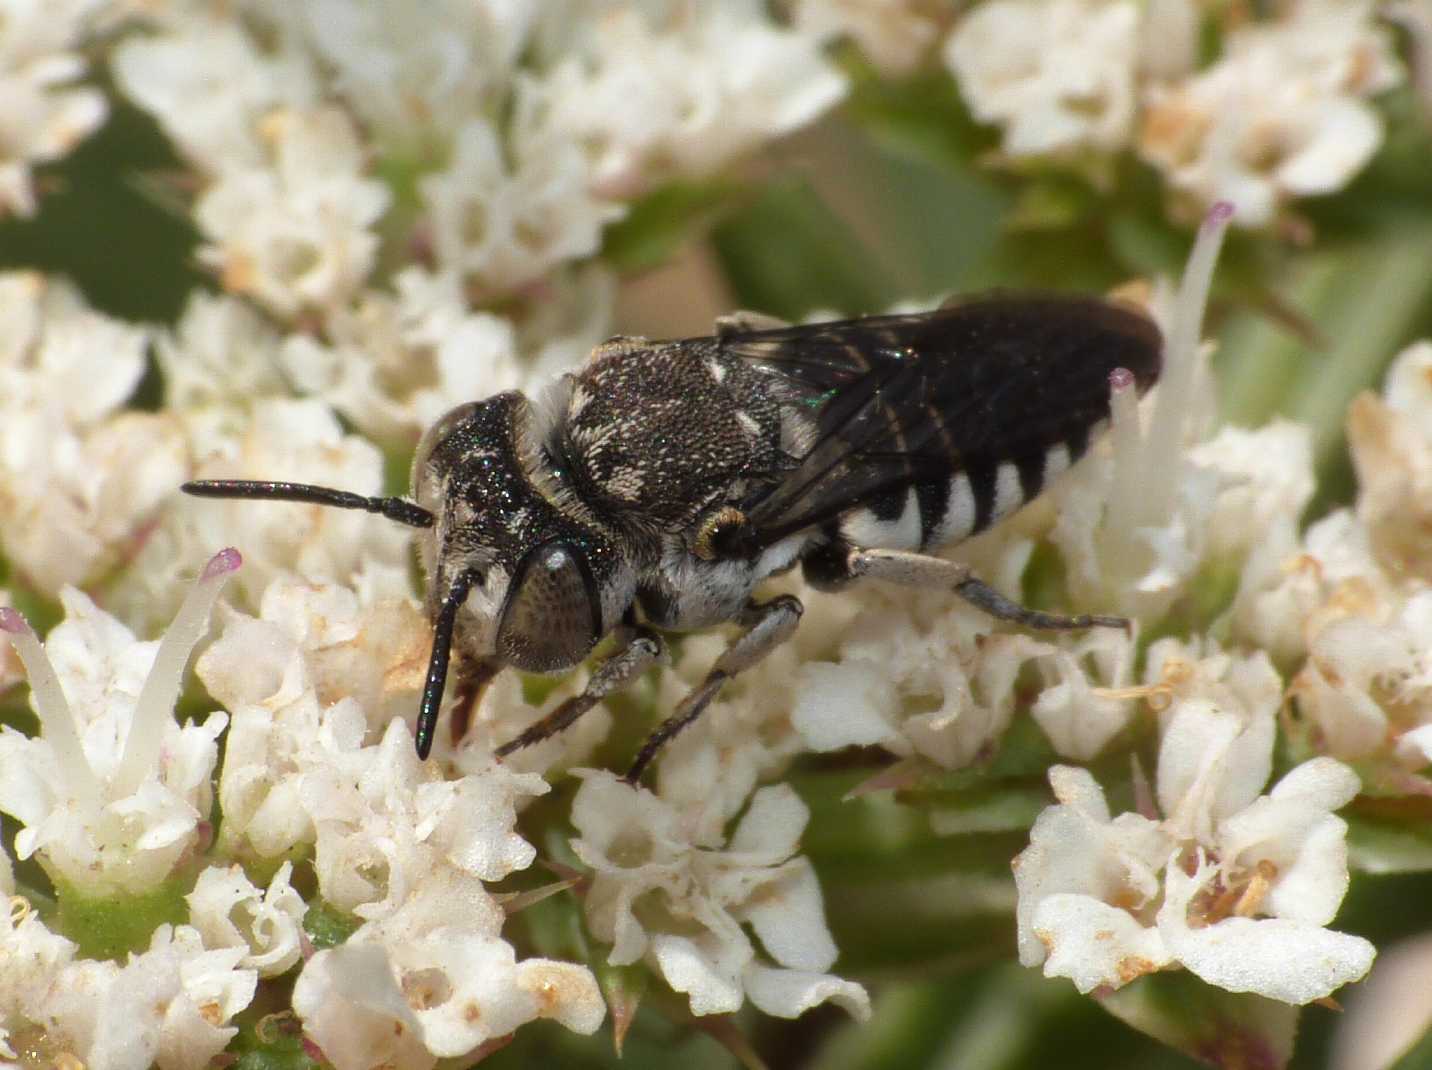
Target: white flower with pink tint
[[113, 792]]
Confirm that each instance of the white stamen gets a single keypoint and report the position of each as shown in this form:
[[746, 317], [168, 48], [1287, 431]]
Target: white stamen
[[1127, 490], [57, 723], [1175, 392], [156, 700]]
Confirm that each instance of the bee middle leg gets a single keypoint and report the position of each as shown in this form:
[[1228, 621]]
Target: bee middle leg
[[768, 625], [643, 649], [919, 570]]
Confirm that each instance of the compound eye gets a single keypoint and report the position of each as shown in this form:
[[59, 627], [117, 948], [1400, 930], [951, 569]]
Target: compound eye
[[553, 614]]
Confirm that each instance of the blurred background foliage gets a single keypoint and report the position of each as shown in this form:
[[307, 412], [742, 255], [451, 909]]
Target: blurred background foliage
[[892, 199]]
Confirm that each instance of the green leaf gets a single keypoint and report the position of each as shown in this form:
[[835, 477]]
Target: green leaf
[[1383, 844], [1224, 1029], [922, 117], [132, 255], [788, 253], [1050, 203], [656, 226], [998, 807]]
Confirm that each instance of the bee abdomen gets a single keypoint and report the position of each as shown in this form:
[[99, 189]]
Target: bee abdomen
[[936, 512]]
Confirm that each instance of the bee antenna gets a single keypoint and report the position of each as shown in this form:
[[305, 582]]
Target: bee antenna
[[399, 509], [438, 662]]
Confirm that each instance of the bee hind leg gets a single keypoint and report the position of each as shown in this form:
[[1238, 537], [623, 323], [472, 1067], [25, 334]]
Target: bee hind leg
[[918, 570], [643, 649], [768, 625]]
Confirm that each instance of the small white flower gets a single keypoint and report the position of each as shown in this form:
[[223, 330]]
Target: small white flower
[[45, 115], [1390, 439], [353, 1009], [229, 911], [434, 978], [1367, 684], [713, 82], [397, 363], [77, 477], [166, 1006], [221, 354], [1079, 708], [1236, 886], [31, 959], [384, 820], [749, 733], [928, 653], [209, 83], [320, 637], [299, 440], [293, 231], [415, 74], [114, 791], [696, 897], [1058, 76], [1282, 114], [306, 684], [505, 214]]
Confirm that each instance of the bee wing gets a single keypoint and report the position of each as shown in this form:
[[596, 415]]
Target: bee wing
[[888, 401]]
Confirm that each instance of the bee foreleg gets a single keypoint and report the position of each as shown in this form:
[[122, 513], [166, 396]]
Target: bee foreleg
[[918, 570], [768, 625], [643, 650]]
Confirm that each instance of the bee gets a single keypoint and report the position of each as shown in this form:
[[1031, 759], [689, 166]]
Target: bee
[[655, 487]]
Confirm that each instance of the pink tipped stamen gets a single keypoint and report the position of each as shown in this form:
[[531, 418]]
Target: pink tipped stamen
[[1121, 379], [1220, 214], [222, 564], [1179, 383], [154, 709], [13, 621]]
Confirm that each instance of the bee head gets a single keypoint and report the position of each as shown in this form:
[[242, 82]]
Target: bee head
[[531, 577], [513, 578]]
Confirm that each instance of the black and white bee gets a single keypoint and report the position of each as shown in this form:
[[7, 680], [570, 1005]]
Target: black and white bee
[[654, 488]]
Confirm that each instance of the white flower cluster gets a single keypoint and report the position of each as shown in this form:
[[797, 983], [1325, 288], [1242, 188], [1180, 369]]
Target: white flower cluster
[[114, 792], [1363, 585], [1281, 113], [363, 175], [1236, 886], [662, 891], [113, 796], [46, 113], [525, 131], [79, 477], [398, 202]]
